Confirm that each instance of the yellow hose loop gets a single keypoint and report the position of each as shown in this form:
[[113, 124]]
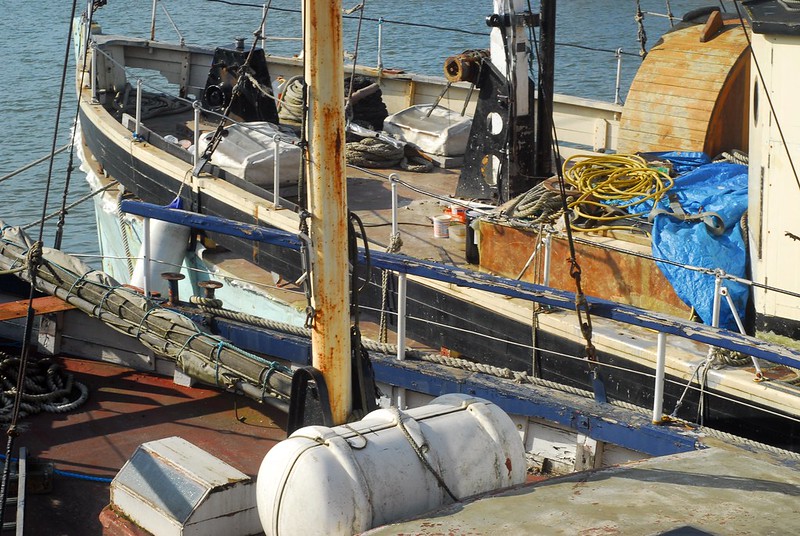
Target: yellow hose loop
[[626, 179]]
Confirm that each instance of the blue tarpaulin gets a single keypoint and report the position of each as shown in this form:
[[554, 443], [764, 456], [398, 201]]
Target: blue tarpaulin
[[720, 192], [682, 161]]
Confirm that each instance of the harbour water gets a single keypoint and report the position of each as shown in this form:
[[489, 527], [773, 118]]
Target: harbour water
[[413, 39]]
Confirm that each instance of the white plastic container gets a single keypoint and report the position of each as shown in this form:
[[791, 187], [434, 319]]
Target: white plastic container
[[348, 479], [442, 133], [248, 151], [168, 242], [441, 226]]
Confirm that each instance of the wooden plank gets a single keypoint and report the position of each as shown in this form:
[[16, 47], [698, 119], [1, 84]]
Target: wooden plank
[[669, 109], [680, 88], [702, 87], [694, 128], [41, 306]]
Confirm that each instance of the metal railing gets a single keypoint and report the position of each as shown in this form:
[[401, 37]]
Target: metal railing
[[403, 266]]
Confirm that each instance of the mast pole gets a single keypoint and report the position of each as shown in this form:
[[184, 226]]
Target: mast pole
[[327, 201], [544, 122]]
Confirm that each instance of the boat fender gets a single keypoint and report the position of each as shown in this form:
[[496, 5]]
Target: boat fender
[[700, 14]]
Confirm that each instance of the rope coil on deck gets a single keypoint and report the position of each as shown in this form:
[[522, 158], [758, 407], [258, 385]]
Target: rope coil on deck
[[47, 387], [611, 184], [378, 153]]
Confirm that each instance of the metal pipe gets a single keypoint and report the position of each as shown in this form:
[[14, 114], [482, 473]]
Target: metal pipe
[[138, 107], [548, 258], [395, 226], [257, 393], [327, 202], [146, 257], [402, 280], [658, 396], [196, 148], [264, 26], [740, 325], [544, 105], [93, 82], [717, 299], [380, 44], [86, 35], [723, 290], [276, 172], [153, 21], [22, 484], [619, 73]]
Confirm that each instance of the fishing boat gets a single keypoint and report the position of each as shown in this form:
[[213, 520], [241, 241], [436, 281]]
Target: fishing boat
[[227, 223], [701, 111]]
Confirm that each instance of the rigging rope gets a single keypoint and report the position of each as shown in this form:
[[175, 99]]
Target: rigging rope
[[34, 163], [395, 243], [642, 33], [33, 262], [581, 304]]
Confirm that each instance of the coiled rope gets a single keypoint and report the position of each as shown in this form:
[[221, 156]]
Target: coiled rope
[[600, 190], [47, 387], [541, 205], [610, 185], [378, 153], [290, 100]]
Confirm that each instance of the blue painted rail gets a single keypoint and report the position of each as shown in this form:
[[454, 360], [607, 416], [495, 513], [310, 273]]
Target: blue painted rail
[[498, 285]]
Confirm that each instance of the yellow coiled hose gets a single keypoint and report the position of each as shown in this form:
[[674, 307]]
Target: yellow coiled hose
[[626, 179]]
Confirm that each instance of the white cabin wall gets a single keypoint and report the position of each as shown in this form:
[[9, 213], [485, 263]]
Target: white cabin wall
[[774, 192]]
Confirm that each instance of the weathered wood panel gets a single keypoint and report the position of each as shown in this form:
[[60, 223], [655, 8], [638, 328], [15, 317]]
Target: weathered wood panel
[[689, 95]]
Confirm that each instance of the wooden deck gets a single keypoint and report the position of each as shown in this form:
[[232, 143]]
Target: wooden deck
[[127, 408]]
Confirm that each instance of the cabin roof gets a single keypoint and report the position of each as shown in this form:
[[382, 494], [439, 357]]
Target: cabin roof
[[777, 17]]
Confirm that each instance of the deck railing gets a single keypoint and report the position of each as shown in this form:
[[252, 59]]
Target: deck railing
[[402, 265]]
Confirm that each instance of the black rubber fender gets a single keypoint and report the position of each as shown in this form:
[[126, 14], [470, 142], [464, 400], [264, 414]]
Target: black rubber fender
[[699, 13]]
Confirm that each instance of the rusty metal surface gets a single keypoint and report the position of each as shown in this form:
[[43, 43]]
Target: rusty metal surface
[[606, 274], [330, 336]]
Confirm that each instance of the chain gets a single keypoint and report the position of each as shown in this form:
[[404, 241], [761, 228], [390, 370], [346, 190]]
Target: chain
[[306, 266]]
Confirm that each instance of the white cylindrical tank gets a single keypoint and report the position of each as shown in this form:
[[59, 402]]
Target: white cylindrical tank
[[167, 249], [354, 477], [168, 242]]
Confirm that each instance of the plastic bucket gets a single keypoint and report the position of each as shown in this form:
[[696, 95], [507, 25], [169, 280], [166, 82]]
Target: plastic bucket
[[458, 213], [441, 226], [458, 232]]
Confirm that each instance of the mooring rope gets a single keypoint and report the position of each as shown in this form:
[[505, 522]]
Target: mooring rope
[[48, 388]]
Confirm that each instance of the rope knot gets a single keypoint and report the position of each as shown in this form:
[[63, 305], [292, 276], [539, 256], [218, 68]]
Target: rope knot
[[34, 257]]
